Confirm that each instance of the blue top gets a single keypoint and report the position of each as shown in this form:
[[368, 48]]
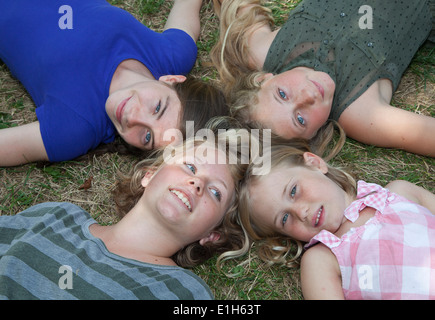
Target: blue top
[[66, 56]]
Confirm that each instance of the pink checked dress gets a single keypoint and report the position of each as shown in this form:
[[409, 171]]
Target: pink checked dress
[[391, 256]]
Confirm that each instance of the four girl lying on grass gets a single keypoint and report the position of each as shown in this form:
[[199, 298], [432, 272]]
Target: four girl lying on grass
[[354, 230]]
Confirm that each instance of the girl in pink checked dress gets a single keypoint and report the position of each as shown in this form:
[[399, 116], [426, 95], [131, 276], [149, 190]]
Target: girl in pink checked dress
[[363, 241]]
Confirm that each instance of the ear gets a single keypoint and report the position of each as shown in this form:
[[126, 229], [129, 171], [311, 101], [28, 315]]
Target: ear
[[171, 79], [148, 176], [315, 161], [263, 77], [212, 237]]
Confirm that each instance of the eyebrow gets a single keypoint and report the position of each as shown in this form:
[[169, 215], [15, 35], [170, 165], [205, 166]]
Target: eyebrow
[[223, 182], [276, 98], [284, 192], [164, 108], [158, 118]]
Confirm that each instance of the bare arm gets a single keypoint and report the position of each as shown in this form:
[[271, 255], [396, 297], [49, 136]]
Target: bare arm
[[413, 193], [371, 120], [185, 16], [20, 145], [320, 275]]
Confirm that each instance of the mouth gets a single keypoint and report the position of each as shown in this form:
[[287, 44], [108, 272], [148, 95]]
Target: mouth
[[318, 218], [120, 109], [183, 197], [320, 88]]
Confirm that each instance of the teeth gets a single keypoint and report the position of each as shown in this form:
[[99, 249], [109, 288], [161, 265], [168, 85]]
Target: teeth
[[181, 196], [319, 213]]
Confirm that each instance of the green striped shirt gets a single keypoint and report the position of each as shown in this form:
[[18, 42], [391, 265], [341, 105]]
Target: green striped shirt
[[48, 252]]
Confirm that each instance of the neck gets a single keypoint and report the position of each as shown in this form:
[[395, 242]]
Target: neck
[[127, 73], [132, 238]]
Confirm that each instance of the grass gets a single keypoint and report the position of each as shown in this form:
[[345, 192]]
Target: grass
[[24, 186]]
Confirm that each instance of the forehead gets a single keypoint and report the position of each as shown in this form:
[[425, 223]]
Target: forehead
[[269, 111], [267, 188], [204, 154]]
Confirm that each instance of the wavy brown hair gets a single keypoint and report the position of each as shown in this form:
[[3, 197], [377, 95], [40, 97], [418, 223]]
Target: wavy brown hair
[[200, 102]]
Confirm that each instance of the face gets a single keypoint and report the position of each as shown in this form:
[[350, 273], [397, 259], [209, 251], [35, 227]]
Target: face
[[299, 201], [190, 196], [295, 103], [142, 112]]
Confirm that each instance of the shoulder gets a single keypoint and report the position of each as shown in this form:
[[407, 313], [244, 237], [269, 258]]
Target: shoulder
[[194, 285], [180, 283], [319, 260], [71, 130], [320, 274], [413, 193], [55, 211], [400, 186], [318, 253]]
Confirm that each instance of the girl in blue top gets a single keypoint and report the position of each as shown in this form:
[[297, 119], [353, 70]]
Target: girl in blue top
[[94, 71]]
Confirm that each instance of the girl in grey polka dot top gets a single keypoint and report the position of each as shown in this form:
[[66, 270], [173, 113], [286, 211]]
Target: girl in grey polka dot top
[[331, 60]]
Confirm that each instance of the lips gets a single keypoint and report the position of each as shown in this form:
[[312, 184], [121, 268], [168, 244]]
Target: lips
[[318, 217], [320, 88], [120, 109], [184, 198]]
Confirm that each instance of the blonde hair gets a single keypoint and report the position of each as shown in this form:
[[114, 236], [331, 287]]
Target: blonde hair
[[275, 248], [231, 52], [129, 189], [239, 81]]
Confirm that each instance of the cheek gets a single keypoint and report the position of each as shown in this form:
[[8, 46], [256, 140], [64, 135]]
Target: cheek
[[131, 136], [110, 107], [299, 232], [320, 117]]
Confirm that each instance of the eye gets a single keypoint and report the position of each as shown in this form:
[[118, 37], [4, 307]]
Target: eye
[[300, 119], [293, 192], [147, 137], [282, 94], [284, 218], [216, 193], [191, 167], [158, 107]]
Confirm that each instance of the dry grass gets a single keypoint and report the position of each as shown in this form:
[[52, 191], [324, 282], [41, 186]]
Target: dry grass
[[23, 186]]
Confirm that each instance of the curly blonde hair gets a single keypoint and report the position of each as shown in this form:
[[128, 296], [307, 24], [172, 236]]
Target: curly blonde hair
[[241, 82], [230, 53], [129, 189], [275, 248]]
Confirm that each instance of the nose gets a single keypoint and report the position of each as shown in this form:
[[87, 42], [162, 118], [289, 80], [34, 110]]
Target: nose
[[136, 116], [304, 98], [197, 185], [300, 211]]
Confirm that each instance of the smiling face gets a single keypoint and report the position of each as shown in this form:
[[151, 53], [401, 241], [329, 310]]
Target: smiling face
[[189, 196], [298, 201], [295, 103], [142, 112]]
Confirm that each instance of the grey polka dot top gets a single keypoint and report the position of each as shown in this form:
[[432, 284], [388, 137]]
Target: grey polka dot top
[[355, 41]]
